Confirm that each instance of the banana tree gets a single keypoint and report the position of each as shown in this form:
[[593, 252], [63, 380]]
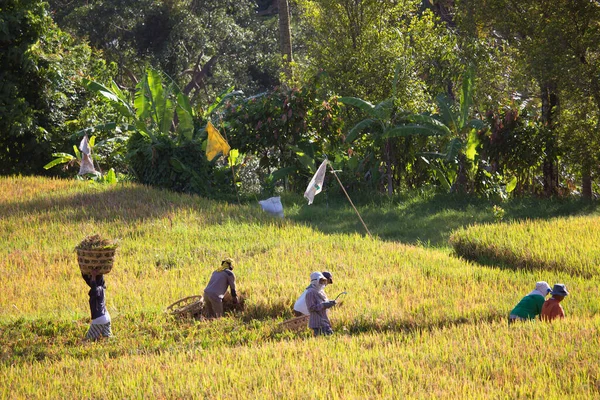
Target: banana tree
[[451, 167], [164, 148], [386, 121], [158, 109], [71, 160]]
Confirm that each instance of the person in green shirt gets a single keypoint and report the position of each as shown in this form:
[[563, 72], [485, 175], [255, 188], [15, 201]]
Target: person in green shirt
[[530, 306]]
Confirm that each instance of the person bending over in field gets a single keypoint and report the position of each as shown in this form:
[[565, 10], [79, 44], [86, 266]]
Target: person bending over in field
[[214, 292], [300, 308], [100, 325], [552, 308], [317, 304], [530, 306]]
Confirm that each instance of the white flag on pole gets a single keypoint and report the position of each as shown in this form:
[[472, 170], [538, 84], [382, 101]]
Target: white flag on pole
[[316, 183], [87, 165]]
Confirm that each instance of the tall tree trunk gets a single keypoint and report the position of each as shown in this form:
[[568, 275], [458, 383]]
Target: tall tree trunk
[[586, 181], [591, 72], [461, 183], [550, 167], [388, 161], [285, 36]]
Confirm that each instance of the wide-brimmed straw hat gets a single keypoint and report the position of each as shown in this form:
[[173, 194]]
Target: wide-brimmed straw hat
[[559, 290]]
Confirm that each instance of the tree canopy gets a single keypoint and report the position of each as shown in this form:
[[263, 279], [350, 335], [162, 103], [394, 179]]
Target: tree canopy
[[530, 119]]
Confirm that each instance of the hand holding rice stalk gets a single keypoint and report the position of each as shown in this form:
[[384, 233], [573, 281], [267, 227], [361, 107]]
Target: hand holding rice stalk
[[96, 255]]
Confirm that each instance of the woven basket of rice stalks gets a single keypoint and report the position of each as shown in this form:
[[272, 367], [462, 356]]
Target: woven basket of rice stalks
[[229, 305], [96, 255], [188, 307]]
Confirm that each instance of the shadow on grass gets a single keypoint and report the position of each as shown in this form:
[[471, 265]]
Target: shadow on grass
[[513, 263], [413, 218], [429, 220], [400, 327], [127, 203]]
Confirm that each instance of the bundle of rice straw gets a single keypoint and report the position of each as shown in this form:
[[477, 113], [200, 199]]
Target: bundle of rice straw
[[96, 255]]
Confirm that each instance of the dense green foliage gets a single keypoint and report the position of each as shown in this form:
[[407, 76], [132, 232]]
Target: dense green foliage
[[556, 53], [165, 147], [166, 164], [529, 71], [225, 39], [286, 129], [41, 99]]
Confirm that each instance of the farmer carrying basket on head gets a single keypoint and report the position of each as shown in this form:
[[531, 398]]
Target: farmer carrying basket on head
[[95, 256], [214, 292]]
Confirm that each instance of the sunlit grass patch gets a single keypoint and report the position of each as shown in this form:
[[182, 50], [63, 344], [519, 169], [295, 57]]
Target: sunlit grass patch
[[416, 322], [567, 245], [530, 360]]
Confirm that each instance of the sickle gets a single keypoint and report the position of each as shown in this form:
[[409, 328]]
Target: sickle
[[336, 297]]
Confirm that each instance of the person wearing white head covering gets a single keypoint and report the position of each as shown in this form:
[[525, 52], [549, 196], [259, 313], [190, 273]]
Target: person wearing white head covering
[[317, 304], [531, 305], [300, 308]]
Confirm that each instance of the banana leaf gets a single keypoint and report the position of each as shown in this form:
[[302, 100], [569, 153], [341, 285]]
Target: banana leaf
[[449, 118], [422, 119], [63, 158], [359, 103], [412, 129], [120, 103], [305, 159], [280, 173], [352, 135]]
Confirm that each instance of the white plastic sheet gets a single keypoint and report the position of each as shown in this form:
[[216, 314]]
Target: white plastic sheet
[[273, 206], [316, 183], [87, 165]]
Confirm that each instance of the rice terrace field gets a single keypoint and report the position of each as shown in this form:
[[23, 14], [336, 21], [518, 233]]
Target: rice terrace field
[[425, 314]]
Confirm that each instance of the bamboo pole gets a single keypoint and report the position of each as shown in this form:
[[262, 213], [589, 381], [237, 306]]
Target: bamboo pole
[[350, 200]]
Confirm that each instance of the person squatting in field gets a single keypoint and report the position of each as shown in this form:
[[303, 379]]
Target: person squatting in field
[[217, 286], [552, 309], [317, 304], [100, 325], [530, 306], [300, 308]]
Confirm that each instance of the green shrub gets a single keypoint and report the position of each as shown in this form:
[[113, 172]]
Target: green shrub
[[180, 167]]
